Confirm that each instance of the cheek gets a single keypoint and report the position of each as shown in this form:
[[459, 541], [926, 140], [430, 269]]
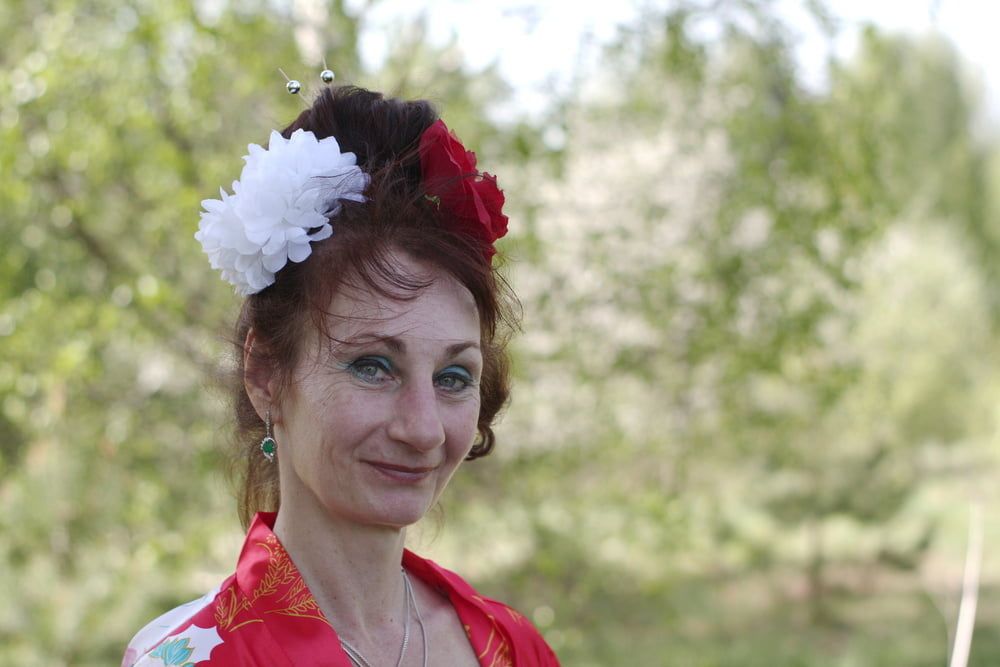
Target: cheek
[[329, 414], [352, 417], [462, 427]]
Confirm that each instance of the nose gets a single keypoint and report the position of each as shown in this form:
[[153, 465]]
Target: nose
[[417, 419]]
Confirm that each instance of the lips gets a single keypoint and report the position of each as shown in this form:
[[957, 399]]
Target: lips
[[401, 473], [399, 468]]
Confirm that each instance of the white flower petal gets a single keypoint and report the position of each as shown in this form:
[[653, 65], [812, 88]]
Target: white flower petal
[[324, 232], [285, 190], [275, 263], [276, 244], [297, 252]]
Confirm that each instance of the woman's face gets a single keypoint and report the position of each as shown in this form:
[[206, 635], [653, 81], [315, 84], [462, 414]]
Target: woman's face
[[377, 419]]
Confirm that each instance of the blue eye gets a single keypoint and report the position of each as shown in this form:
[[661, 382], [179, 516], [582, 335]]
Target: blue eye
[[370, 369], [454, 379]]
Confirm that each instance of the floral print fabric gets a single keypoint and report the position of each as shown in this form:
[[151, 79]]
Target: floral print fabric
[[264, 614]]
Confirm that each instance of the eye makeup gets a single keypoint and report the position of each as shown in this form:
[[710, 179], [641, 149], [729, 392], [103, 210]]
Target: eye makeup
[[369, 368], [454, 379]]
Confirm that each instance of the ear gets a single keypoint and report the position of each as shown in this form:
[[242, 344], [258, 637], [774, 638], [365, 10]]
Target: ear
[[258, 378]]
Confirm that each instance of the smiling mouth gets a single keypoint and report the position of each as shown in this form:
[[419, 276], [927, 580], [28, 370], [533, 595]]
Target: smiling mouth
[[400, 473]]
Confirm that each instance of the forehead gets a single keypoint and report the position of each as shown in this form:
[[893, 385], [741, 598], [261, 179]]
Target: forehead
[[440, 309]]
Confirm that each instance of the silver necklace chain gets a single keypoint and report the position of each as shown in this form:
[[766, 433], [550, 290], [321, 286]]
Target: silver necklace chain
[[409, 602]]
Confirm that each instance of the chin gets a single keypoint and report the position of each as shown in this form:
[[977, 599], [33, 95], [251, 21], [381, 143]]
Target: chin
[[399, 514], [403, 519]]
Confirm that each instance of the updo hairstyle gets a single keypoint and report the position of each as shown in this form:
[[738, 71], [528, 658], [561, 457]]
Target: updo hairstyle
[[384, 134]]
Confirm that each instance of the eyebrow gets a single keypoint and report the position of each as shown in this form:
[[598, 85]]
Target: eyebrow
[[397, 345]]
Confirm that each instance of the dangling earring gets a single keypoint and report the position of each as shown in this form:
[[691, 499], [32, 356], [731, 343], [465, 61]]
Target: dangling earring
[[268, 446]]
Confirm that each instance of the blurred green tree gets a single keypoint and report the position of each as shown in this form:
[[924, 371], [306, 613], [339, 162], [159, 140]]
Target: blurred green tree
[[121, 117], [742, 296], [757, 316]]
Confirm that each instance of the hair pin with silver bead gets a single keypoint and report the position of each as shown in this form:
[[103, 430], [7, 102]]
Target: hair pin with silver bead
[[293, 86], [327, 74]]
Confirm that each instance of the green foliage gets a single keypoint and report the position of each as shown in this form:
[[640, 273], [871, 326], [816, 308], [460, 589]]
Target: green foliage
[[742, 350], [759, 331], [124, 117]]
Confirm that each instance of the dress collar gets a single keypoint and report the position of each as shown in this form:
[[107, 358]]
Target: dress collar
[[270, 591]]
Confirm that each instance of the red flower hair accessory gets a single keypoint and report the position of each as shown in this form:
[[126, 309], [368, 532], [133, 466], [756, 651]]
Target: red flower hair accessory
[[471, 200]]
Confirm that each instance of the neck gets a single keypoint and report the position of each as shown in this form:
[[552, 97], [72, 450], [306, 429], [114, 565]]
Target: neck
[[353, 571]]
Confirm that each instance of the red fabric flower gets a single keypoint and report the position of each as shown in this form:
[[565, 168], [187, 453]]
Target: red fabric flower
[[471, 201]]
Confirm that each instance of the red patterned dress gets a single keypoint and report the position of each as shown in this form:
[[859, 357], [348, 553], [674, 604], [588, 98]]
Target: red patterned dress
[[265, 615]]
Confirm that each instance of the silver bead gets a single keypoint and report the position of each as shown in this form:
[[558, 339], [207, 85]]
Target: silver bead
[[327, 75], [293, 86]]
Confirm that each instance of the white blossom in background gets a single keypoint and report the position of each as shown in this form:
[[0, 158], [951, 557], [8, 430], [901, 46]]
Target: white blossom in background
[[629, 207]]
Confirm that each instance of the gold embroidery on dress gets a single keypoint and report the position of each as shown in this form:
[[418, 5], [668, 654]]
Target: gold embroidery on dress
[[501, 652], [301, 603], [515, 615], [502, 657], [489, 644], [280, 572]]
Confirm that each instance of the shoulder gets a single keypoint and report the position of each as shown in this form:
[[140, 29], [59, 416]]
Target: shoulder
[[523, 634], [525, 637], [170, 623]]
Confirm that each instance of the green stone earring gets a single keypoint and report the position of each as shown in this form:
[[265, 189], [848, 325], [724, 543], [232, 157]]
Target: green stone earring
[[268, 446]]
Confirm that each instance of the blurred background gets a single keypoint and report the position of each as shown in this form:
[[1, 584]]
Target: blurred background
[[758, 249]]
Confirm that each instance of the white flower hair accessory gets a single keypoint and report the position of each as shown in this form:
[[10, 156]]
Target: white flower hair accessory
[[284, 191]]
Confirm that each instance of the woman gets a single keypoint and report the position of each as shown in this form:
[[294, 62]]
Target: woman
[[372, 347]]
